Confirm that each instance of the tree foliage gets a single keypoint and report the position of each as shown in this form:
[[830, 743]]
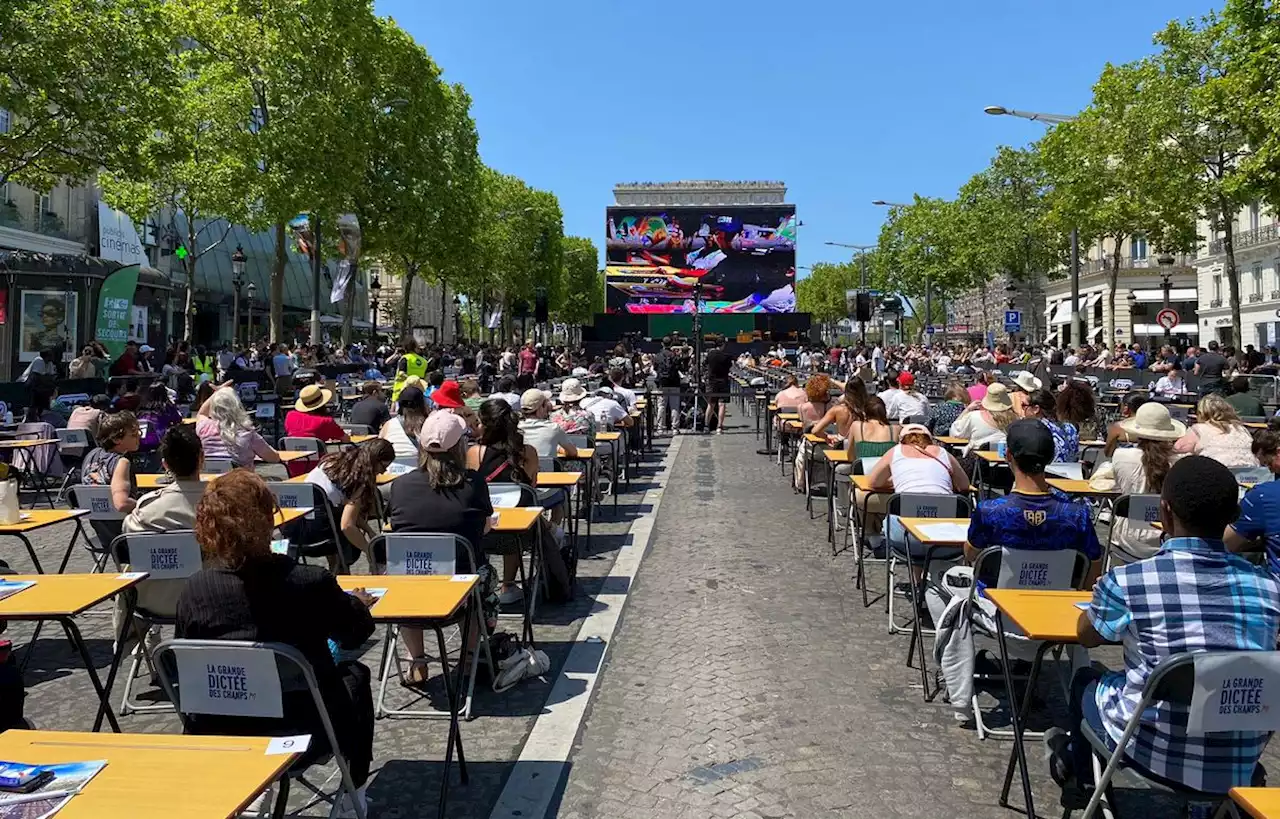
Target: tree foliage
[[582, 284]]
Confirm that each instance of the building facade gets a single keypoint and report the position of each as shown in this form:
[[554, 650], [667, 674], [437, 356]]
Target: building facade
[[433, 315], [1257, 251]]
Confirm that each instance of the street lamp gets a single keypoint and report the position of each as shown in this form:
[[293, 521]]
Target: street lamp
[[238, 260], [457, 319], [375, 290], [1055, 119], [250, 290], [883, 204], [1165, 261]]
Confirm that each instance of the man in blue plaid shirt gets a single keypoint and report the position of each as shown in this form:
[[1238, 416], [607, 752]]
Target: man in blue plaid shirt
[[1193, 595]]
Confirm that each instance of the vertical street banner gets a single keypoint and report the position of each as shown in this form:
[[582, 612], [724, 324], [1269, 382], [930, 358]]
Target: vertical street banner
[[115, 309]]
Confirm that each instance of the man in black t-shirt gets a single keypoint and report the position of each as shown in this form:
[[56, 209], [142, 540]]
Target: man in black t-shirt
[[1209, 367], [718, 365], [371, 410], [666, 369]]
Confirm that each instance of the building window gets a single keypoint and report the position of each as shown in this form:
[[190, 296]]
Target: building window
[[1138, 248], [1255, 216], [1257, 278], [1217, 287], [4, 194], [4, 121]]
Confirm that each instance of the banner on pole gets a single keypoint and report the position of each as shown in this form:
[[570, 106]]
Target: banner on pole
[[115, 309]]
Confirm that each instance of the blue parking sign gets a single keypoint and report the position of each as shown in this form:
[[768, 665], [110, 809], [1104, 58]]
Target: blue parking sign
[[1012, 321]]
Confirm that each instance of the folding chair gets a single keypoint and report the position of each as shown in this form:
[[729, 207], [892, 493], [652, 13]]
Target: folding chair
[[917, 506], [303, 495], [999, 567], [217, 466], [1138, 510], [266, 672], [812, 462], [73, 445], [1195, 682], [103, 519], [168, 557], [303, 465], [356, 429], [442, 550], [857, 527]]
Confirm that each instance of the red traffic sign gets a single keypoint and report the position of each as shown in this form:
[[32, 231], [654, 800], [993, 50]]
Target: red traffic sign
[[1168, 318]]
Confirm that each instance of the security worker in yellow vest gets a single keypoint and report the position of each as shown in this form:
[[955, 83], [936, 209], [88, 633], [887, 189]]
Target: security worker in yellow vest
[[410, 364], [204, 364]]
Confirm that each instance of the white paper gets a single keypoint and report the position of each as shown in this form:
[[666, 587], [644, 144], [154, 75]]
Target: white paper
[[398, 469], [131, 575], [1084, 606], [289, 745], [945, 532], [240, 682], [465, 578]]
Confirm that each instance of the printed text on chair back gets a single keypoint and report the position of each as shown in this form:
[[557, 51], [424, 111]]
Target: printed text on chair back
[[97, 500], [419, 554], [165, 555], [1235, 691], [233, 681], [1041, 569]]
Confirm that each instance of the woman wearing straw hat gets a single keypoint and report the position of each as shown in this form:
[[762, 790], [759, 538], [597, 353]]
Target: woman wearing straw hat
[[985, 421], [1024, 383], [1140, 470], [310, 416]]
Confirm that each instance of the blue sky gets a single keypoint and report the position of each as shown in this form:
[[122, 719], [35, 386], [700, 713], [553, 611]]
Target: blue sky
[[846, 101]]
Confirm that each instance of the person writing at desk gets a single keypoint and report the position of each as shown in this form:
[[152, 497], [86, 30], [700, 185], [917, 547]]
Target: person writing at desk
[[245, 592], [1193, 595]]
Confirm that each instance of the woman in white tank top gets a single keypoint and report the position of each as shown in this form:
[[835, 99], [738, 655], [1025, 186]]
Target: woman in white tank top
[[402, 431]]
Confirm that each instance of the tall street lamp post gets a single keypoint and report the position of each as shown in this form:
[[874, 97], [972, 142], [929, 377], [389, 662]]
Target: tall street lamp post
[[238, 260], [375, 291], [457, 319], [1165, 261], [252, 290], [1055, 119]]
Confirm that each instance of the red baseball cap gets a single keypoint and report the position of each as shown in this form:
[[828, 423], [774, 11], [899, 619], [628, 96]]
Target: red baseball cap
[[906, 380], [448, 396]]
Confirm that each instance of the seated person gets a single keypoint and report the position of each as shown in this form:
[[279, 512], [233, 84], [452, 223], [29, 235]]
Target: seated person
[[1242, 401], [248, 593], [371, 411], [108, 465], [1033, 516], [311, 416], [539, 431], [1116, 433], [227, 433], [88, 416], [1258, 527], [1137, 605], [349, 479], [402, 430]]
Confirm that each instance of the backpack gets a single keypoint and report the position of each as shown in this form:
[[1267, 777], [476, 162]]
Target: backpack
[[663, 365]]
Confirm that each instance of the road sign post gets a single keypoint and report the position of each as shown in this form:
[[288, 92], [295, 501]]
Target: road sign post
[[1168, 318]]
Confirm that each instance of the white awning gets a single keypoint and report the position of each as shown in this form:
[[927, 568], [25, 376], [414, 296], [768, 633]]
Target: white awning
[[1052, 337], [1175, 294], [1090, 300], [1048, 310], [1183, 329], [1062, 315], [1093, 336]]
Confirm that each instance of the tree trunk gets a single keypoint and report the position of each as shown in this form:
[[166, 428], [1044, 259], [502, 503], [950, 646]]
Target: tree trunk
[[1233, 274], [444, 312], [277, 284], [1113, 281], [410, 273]]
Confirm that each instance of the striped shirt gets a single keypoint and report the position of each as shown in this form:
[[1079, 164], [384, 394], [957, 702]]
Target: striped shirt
[[1192, 595]]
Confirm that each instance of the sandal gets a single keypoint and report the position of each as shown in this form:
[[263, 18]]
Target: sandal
[[418, 673]]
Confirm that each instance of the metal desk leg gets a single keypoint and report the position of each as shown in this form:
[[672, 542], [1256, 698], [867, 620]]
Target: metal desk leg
[[1018, 715], [455, 731], [31, 552], [66, 558], [73, 636], [126, 625]]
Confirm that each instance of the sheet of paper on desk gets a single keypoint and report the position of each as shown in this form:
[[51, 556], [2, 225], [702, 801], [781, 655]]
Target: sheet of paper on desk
[[8, 588], [68, 779], [1084, 605], [946, 532]]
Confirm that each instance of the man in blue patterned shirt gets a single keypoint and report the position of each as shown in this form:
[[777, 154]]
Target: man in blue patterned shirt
[[1193, 595], [1033, 516]]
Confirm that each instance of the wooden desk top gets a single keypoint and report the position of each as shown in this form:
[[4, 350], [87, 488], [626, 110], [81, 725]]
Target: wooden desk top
[[155, 776], [815, 439], [290, 515], [913, 525], [190, 420], [1255, 425], [360, 439], [62, 595], [1075, 487], [33, 519], [584, 454], [789, 416], [792, 425], [837, 456], [607, 437], [989, 456], [948, 440], [425, 597], [773, 407], [863, 482], [1042, 615], [517, 519], [27, 444], [151, 480], [550, 479], [1259, 803], [290, 455]]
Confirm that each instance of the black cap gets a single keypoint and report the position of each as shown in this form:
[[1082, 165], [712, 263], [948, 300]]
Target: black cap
[[412, 397], [1030, 445]]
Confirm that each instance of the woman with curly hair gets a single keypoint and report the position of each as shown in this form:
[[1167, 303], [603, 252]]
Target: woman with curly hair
[[817, 391], [349, 480], [1076, 405], [248, 593]]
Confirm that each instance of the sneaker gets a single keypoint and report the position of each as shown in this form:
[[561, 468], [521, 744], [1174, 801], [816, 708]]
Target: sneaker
[[511, 596], [719, 430], [1057, 754], [344, 809]]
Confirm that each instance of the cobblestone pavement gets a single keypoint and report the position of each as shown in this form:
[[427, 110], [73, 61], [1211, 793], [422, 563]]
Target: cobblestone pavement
[[407, 753], [747, 680]]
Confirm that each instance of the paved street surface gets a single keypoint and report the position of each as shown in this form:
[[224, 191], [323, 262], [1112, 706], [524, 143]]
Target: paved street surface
[[745, 678]]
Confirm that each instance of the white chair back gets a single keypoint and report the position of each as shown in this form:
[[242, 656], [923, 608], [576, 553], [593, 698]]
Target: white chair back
[[314, 445], [164, 555], [1046, 570], [72, 438], [217, 466], [264, 411], [96, 500], [1251, 474], [1071, 470], [229, 681], [292, 495], [505, 495], [1142, 510], [421, 554], [1235, 691], [927, 506]]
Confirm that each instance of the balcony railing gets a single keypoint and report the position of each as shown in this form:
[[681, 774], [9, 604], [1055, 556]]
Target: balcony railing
[[1255, 297], [1249, 238], [1129, 263]]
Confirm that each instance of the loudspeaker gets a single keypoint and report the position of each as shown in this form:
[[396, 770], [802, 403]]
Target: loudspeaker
[[863, 311], [540, 308]]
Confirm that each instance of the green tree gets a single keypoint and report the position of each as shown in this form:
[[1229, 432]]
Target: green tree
[[84, 83], [1251, 40], [582, 284]]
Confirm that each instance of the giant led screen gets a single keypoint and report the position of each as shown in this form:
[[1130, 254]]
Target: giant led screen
[[709, 260]]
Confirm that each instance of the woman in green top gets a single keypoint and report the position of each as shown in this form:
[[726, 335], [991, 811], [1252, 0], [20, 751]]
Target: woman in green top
[[872, 436]]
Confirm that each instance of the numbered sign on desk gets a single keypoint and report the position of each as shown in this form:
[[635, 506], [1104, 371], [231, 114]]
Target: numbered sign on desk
[[169, 557], [420, 554], [240, 682]]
